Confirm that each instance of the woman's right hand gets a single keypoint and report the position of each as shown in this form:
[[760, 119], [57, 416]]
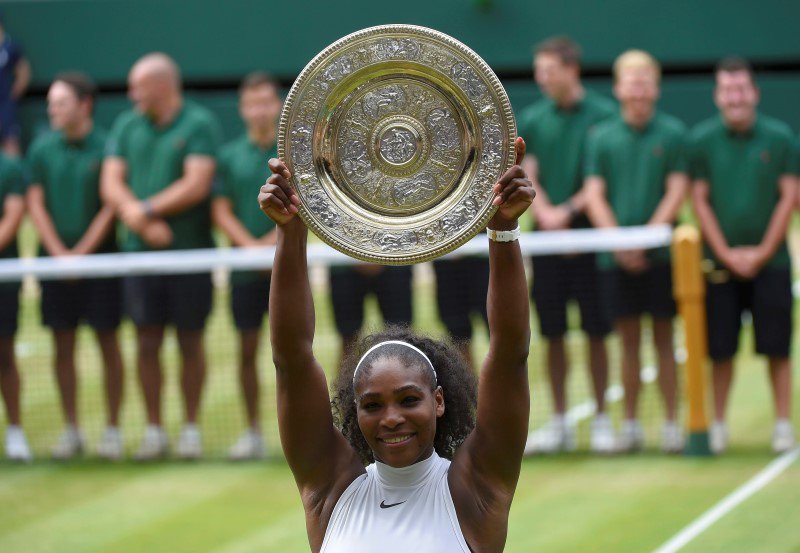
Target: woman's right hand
[[277, 199]]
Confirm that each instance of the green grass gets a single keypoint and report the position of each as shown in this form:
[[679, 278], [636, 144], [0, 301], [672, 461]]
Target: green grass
[[564, 503]]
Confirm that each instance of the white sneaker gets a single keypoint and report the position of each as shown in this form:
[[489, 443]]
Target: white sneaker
[[190, 444], [783, 436], [718, 437], [554, 436], [249, 446], [602, 439], [110, 445], [17, 448], [69, 445], [671, 437], [631, 437], [155, 444]]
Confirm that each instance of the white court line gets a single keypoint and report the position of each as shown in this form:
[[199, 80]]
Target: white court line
[[769, 473], [584, 410]]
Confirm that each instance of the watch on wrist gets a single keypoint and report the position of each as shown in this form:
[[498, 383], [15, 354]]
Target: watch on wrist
[[147, 207]]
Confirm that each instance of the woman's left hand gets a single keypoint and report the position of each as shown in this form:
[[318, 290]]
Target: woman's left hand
[[514, 193]]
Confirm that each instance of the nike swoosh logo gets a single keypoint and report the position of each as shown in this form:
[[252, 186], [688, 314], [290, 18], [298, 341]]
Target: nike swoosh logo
[[385, 506]]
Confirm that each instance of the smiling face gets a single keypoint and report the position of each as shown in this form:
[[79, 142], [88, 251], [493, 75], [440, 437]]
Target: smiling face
[[397, 412], [736, 96], [637, 90]]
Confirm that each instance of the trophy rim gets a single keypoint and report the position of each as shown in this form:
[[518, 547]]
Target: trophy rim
[[506, 116]]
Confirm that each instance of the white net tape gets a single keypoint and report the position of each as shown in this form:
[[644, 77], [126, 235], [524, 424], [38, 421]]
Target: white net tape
[[205, 260]]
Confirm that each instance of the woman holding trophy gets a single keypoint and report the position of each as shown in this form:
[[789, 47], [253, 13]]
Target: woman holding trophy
[[442, 464]]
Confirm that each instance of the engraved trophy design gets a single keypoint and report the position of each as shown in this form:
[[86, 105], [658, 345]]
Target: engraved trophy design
[[394, 136]]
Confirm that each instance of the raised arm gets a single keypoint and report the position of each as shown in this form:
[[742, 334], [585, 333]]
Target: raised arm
[[318, 454], [486, 467]]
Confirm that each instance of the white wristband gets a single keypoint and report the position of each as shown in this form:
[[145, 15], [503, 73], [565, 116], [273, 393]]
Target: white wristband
[[503, 235]]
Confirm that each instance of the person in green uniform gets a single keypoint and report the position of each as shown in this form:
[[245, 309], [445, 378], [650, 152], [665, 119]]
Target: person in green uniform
[[157, 175], [242, 170], [12, 209], [743, 166], [555, 130], [636, 174], [64, 203]]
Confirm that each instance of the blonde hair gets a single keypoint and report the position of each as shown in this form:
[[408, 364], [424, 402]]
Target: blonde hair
[[636, 59]]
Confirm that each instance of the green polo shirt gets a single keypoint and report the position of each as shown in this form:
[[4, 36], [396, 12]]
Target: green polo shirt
[[634, 164], [743, 172], [241, 171], [69, 174], [12, 182], [155, 157], [557, 137]]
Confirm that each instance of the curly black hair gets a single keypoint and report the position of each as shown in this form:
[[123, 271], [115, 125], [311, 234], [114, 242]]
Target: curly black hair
[[454, 375]]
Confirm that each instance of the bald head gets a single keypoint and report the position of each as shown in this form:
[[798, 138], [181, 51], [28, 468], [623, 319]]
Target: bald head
[[159, 66], [154, 84]]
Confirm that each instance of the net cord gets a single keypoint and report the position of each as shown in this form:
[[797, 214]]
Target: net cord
[[205, 260]]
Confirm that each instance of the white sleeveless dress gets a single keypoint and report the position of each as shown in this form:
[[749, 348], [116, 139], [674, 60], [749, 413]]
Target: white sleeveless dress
[[390, 510]]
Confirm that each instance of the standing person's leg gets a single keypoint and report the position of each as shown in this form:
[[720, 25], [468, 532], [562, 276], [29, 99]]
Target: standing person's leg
[[64, 340], [148, 340], [189, 300], [780, 371], [722, 377], [249, 302], [723, 316], [248, 375], [61, 303], [629, 330], [9, 380], [348, 288], [590, 289], [112, 372], [671, 433], [193, 371], [772, 321], [393, 290], [661, 306], [626, 296], [145, 303], [104, 314], [452, 301], [549, 292], [16, 445]]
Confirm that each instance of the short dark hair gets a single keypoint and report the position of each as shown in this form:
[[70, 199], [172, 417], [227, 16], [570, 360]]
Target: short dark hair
[[80, 83], [733, 64], [256, 79], [567, 50]]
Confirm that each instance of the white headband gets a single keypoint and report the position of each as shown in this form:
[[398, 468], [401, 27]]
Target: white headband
[[399, 343]]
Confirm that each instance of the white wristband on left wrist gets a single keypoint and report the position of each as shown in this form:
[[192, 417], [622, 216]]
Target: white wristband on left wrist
[[503, 235]]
